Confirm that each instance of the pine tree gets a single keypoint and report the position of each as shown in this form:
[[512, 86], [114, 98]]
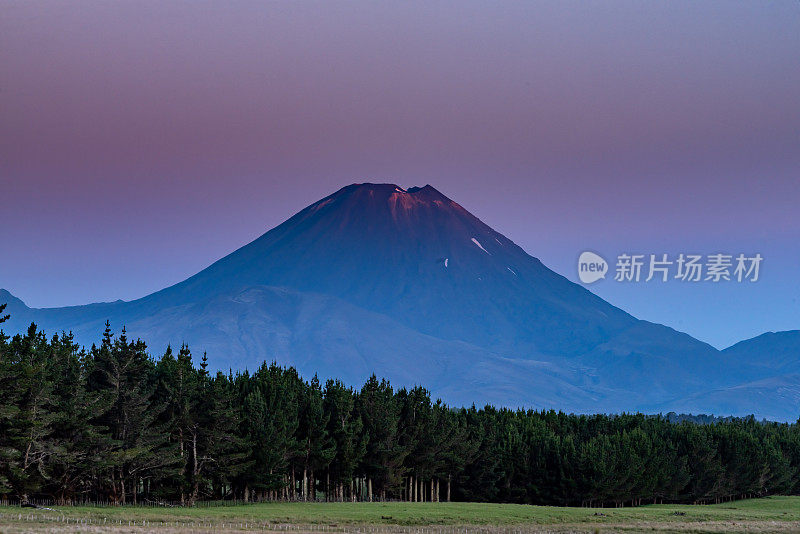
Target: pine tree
[[459, 450], [204, 365], [27, 422], [222, 453], [9, 402], [317, 445], [176, 391], [271, 419], [384, 456], [707, 480], [123, 378], [346, 429], [74, 437]]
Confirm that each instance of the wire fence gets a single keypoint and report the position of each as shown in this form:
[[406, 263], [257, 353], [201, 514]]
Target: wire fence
[[148, 503], [81, 523], [158, 503]]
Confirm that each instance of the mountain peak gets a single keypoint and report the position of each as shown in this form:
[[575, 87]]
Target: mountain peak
[[7, 298], [382, 203], [426, 191]]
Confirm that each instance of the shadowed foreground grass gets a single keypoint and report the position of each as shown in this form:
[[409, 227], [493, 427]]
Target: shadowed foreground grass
[[771, 514]]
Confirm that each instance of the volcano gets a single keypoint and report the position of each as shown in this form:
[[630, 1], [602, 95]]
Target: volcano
[[409, 285]]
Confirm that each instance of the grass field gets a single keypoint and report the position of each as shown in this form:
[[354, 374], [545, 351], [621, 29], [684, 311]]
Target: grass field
[[773, 514]]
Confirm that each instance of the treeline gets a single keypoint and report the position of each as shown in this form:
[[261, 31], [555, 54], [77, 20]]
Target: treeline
[[114, 424]]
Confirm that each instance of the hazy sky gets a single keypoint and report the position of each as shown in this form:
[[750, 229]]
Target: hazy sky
[[141, 141]]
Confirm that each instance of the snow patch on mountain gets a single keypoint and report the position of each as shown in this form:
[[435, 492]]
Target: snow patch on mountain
[[481, 246]]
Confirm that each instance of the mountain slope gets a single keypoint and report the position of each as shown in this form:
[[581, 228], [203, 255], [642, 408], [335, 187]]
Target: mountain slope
[[776, 398], [424, 260], [767, 354], [410, 285]]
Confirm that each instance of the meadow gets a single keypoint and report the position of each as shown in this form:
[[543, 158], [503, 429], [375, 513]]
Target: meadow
[[771, 514]]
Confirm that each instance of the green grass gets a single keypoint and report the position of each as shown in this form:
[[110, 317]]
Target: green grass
[[771, 509]]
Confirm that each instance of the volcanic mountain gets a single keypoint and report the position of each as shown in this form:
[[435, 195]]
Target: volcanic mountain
[[409, 285]]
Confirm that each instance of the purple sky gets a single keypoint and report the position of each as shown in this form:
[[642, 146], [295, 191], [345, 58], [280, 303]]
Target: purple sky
[[140, 141]]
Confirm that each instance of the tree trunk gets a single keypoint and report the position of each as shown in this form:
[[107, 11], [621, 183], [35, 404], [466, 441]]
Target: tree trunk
[[183, 463], [448, 488], [195, 471], [369, 489]]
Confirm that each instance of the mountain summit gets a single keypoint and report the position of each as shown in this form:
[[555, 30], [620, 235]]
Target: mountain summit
[[407, 284]]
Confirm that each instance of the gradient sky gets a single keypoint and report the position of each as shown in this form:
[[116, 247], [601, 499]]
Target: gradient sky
[[141, 141]]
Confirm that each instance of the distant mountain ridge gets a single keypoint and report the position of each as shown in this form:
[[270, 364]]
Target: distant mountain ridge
[[781, 352], [409, 285]]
